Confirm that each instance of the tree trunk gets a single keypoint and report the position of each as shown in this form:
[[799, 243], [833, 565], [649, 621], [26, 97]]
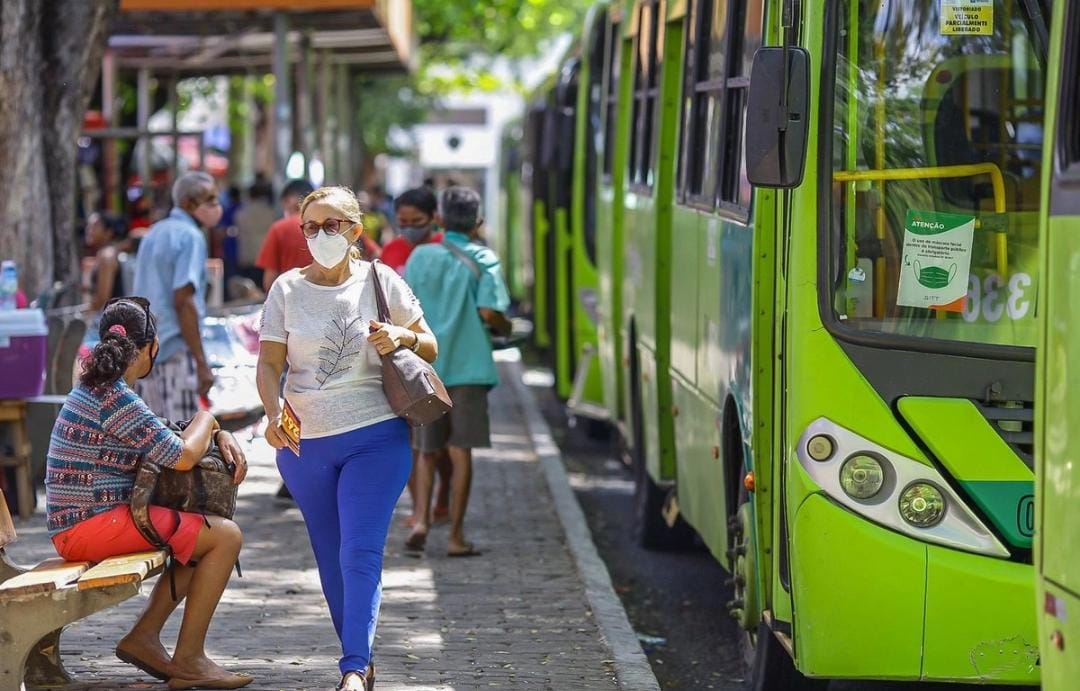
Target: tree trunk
[[50, 55]]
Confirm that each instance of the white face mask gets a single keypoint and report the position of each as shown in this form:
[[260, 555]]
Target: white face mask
[[328, 250]]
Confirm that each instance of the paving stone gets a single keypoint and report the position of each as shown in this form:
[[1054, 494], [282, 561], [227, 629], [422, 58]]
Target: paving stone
[[515, 617]]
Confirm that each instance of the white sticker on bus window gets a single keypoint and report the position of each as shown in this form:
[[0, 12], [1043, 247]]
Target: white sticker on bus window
[[936, 262], [967, 17]]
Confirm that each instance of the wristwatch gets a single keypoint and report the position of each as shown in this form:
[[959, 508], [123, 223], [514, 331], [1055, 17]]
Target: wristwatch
[[415, 347]]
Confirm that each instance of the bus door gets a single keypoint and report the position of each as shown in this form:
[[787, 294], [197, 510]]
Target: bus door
[[1058, 484]]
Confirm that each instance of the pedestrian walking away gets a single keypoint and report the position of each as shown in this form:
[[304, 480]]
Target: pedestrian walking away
[[460, 285], [351, 460], [170, 271], [415, 211], [103, 431], [284, 247]]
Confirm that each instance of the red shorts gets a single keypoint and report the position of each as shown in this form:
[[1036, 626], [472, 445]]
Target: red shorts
[[113, 533]]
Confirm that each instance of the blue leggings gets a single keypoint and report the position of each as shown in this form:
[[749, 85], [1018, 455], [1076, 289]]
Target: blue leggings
[[346, 487]]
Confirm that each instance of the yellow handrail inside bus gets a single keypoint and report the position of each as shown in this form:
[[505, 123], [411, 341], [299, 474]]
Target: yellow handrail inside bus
[[966, 170]]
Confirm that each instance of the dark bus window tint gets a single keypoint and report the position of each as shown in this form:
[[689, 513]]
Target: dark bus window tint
[[747, 15], [698, 103], [610, 105], [592, 143], [648, 46], [640, 85], [1070, 93]]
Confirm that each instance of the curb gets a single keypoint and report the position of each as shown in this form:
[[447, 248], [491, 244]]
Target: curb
[[631, 666]]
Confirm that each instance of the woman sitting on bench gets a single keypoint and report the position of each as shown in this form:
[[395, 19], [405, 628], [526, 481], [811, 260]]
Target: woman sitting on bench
[[103, 430]]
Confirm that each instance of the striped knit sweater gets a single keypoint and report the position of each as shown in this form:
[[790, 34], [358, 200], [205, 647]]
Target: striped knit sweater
[[96, 445]]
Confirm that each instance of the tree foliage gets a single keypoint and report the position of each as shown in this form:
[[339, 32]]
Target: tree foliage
[[469, 36], [508, 28]]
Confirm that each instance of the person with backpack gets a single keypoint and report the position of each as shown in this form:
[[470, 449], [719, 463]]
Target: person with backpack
[[461, 288]]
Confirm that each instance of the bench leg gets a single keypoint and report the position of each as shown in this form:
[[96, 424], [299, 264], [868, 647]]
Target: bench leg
[[30, 631], [24, 485], [44, 668]]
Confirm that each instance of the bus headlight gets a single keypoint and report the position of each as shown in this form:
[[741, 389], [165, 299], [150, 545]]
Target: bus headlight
[[861, 476], [922, 505], [893, 490]]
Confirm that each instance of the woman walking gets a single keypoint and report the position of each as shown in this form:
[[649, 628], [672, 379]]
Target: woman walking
[[354, 455], [101, 434]]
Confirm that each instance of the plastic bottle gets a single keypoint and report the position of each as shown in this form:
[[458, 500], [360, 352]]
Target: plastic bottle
[[9, 285]]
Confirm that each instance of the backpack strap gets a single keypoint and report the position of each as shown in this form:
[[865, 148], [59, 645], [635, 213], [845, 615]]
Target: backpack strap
[[468, 261]]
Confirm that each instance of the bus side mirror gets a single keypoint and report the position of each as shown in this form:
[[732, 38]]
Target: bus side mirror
[[777, 117]]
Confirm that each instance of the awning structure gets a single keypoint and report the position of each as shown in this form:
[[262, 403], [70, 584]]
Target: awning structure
[[200, 37]]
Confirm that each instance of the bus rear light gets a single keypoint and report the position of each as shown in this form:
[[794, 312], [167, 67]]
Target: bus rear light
[[892, 490], [862, 476]]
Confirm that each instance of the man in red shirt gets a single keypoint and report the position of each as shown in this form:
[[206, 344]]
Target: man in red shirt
[[415, 213], [285, 247]]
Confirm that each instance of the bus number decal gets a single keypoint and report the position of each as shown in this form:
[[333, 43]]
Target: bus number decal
[[991, 298], [1025, 515]]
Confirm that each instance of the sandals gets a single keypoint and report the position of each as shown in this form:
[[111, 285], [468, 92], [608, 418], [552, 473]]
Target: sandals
[[416, 542], [145, 666], [232, 681], [469, 551], [368, 678]]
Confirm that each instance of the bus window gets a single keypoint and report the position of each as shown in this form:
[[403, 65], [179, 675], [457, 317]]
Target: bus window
[[610, 107], [649, 45], [936, 125], [721, 41], [1069, 118]]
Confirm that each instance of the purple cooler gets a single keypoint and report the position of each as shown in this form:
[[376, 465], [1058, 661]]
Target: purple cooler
[[22, 353]]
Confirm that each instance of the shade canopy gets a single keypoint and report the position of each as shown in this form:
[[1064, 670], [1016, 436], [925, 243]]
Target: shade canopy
[[237, 36]]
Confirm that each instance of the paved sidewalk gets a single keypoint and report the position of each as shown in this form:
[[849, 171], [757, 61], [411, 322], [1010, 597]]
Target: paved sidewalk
[[515, 617]]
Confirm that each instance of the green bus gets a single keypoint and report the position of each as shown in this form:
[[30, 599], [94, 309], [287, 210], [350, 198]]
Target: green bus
[[1057, 475], [816, 267]]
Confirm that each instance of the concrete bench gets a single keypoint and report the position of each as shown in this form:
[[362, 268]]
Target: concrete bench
[[37, 603]]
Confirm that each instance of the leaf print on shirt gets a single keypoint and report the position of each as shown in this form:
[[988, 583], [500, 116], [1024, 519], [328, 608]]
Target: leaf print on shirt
[[342, 341]]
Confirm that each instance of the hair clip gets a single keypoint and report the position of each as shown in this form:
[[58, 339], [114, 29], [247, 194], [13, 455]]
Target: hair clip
[[118, 329]]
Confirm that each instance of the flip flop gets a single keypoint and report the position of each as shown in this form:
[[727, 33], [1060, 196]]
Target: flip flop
[[416, 542], [127, 657], [233, 681], [469, 551]]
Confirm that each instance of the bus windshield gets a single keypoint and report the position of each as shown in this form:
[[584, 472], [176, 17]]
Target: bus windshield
[[935, 167]]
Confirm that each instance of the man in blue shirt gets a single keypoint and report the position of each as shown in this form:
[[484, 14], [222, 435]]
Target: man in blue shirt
[[460, 286], [170, 271]]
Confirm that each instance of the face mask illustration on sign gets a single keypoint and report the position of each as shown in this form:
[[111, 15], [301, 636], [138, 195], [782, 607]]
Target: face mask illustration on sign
[[934, 277]]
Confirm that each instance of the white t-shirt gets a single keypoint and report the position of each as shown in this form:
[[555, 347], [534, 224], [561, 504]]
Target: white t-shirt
[[334, 382]]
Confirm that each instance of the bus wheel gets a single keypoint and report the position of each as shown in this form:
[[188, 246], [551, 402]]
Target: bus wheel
[[772, 669], [650, 529]]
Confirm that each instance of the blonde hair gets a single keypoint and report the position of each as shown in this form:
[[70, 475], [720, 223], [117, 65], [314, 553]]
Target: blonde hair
[[342, 199]]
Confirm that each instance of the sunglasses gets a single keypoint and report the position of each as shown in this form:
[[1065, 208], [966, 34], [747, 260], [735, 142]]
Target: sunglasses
[[141, 302], [331, 226]]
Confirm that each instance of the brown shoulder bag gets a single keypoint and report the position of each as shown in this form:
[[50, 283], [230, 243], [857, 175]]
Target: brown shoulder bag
[[412, 387]]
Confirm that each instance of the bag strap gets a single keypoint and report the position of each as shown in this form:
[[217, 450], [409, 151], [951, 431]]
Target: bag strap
[[468, 261], [380, 296]]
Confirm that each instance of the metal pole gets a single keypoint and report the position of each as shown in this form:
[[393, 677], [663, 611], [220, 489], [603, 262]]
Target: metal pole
[[174, 113], [324, 119], [248, 163], [345, 171], [108, 100], [305, 88], [282, 100], [142, 115]]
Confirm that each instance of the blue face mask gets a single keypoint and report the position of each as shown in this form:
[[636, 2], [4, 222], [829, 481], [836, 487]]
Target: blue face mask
[[416, 235]]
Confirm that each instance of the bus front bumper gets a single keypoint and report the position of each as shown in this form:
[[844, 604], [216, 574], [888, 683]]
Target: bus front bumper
[[871, 603]]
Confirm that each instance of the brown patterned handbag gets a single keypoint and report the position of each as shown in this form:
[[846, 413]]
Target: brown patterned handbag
[[208, 488], [412, 387]]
